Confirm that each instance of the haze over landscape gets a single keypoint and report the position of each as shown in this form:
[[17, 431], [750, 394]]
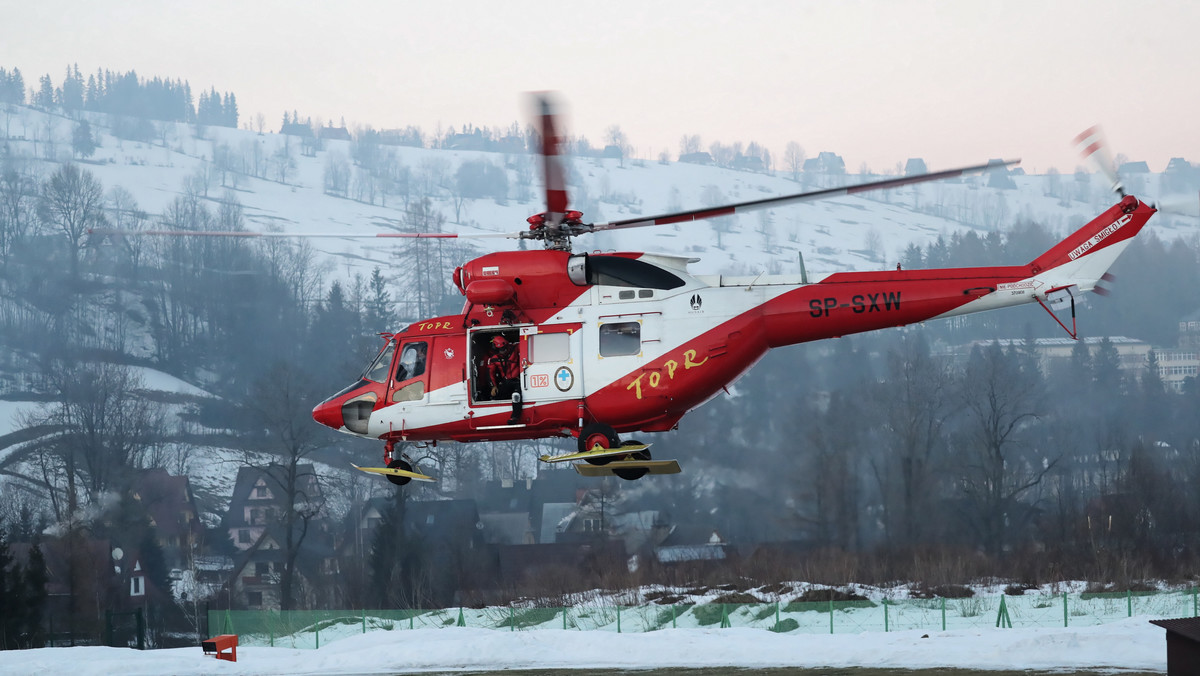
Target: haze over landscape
[[862, 470], [873, 80]]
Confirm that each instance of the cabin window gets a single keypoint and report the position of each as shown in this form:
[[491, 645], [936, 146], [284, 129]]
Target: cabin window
[[410, 392], [549, 347], [378, 369], [412, 362], [621, 271], [625, 295], [645, 293], [620, 338]]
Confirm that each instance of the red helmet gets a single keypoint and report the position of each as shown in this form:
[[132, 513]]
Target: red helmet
[[499, 342]]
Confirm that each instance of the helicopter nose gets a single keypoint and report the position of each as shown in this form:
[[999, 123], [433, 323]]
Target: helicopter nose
[[329, 414]]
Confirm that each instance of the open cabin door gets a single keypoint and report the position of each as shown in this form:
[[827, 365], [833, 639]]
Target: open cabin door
[[551, 364]]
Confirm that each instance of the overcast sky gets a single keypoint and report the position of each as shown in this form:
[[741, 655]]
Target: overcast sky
[[955, 82]]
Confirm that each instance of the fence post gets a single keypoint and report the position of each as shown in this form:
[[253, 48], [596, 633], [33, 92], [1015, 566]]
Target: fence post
[[776, 613], [1065, 620], [412, 612], [831, 612], [364, 620], [674, 612], [317, 634], [1195, 607], [141, 630], [512, 621], [1002, 619], [462, 621], [1129, 601], [725, 616], [618, 619], [564, 618], [943, 614], [885, 616]]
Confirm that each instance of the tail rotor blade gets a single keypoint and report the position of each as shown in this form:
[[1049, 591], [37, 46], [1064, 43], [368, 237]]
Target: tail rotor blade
[[1180, 205], [1093, 148]]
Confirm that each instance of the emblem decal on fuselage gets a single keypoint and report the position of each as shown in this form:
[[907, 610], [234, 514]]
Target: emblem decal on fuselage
[[564, 379], [696, 301], [449, 353]]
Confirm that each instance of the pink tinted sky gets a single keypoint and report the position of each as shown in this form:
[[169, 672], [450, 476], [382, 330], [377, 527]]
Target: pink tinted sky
[[955, 82]]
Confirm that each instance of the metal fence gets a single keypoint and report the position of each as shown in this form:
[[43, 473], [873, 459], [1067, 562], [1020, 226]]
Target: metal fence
[[314, 628]]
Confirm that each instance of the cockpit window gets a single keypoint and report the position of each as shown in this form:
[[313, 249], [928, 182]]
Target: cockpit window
[[412, 361], [378, 370], [621, 271]]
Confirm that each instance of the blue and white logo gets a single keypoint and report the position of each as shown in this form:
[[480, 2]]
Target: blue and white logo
[[563, 378]]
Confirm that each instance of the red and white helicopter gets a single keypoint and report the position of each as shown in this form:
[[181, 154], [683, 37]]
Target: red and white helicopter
[[552, 343], [605, 344]]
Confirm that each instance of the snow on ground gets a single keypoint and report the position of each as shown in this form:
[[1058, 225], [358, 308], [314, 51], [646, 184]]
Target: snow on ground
[[1131, 644], [11, 412], [164, 382]]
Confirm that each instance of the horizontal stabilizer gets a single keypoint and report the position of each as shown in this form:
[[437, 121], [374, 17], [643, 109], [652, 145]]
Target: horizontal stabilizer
[[1058, 299]]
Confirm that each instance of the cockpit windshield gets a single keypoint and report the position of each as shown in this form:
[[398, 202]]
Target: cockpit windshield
[[379, 369]]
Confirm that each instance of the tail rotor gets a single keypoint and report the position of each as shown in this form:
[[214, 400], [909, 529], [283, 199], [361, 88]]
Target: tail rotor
[[1093, 147]]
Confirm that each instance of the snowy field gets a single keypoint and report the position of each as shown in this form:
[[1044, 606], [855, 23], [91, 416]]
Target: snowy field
[[1129, 645]]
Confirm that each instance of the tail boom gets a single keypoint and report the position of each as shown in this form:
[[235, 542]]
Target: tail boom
[[846, 303]]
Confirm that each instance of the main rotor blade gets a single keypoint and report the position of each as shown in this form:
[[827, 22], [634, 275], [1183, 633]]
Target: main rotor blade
[[726, 210], [304, 235], [553, 172]]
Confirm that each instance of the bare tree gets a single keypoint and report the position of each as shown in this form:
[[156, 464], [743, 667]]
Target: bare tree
[[280, 403], [1002, 398], [793, 159], [18, 205], [616, 137], [72, 202], [125, 215], [916, 399], [689, 143], [105, 429], [337, 174], [713, 196]]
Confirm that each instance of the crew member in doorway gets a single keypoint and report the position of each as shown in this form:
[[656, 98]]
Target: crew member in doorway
[[504, 370]]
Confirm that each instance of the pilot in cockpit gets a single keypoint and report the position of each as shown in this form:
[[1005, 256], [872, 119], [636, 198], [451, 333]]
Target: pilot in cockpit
[[412, 362]]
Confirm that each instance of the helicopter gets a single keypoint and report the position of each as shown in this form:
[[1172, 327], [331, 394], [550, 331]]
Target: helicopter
[[554, 343], [598, 345]]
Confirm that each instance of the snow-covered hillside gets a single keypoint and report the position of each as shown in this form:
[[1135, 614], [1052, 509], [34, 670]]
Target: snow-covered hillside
[[853, 233]]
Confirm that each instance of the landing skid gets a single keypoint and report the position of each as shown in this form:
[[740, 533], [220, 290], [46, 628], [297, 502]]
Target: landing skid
[[619, 467], [625, 449], [390, 471]]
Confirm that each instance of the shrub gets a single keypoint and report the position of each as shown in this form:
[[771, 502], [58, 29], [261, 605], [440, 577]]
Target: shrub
[[785, 625], [529, 617], [945, 591], [709, 613]]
